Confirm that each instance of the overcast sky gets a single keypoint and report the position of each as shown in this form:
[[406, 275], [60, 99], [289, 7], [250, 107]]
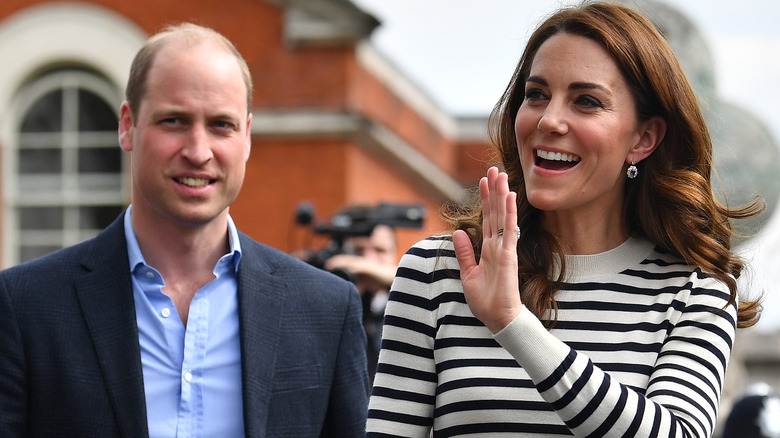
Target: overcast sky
[[461, 53]]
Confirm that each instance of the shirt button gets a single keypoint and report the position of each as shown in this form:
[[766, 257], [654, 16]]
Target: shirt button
[[188, 376], [166, 312], [149, 274]]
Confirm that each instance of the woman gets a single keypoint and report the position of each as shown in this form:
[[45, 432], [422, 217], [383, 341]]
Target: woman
[[591, 289]]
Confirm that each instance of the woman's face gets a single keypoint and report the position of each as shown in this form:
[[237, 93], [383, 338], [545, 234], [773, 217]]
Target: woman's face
[[576, 129]]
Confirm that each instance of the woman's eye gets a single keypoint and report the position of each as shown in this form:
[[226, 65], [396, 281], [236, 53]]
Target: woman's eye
[[588, 102], [534, 94]]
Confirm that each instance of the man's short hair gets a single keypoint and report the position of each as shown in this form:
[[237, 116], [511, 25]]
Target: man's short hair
[[190, 34]]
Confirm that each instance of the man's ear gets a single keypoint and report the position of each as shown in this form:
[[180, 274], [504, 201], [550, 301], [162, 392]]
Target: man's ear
[[248, 137], [651, 135], [126, 128]]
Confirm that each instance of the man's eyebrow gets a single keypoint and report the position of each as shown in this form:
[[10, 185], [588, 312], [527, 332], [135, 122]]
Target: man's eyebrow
[[169, 112], [225, 115]]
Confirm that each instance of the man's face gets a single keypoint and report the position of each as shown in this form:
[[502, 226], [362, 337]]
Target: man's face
[[191, 137], [379, 247]]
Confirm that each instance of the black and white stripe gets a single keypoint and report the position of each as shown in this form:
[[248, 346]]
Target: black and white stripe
[[640, 349]]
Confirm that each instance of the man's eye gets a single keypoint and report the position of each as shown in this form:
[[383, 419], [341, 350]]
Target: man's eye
[[170, 121], [222, 125]]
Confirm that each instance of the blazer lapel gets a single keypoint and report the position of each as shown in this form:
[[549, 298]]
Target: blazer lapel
[[261, 300], [106, 297], [105, 292]]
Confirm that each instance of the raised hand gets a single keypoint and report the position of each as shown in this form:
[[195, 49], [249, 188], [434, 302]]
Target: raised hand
[[491, 287]]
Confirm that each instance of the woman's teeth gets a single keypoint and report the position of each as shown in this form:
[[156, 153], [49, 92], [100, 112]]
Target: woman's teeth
[[556, 156]]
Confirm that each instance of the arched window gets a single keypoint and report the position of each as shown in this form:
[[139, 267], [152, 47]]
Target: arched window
[[68, 181]]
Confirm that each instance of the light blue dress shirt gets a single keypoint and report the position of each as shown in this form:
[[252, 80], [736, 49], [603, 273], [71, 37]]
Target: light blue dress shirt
[[192, 374]]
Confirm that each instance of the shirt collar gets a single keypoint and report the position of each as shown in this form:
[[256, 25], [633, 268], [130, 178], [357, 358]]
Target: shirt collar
[[134, 251]]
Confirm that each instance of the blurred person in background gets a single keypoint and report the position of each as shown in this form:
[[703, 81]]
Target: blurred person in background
[[755, 415], [371, 261]]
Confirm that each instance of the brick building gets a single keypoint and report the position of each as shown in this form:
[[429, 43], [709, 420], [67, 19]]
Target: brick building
[[333, 122]]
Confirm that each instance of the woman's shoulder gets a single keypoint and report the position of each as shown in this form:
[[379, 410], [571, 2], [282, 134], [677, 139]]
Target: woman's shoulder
[[430, 250], [428, 277], [433, 246], [669, 271], [429, 260]]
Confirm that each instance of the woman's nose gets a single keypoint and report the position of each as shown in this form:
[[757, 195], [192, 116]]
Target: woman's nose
[[553, 120]]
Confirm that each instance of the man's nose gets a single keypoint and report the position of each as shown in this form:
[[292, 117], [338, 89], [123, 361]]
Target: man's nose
[[197, 148]]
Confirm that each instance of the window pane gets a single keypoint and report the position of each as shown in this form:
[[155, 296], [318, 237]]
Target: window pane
[[28, 252], [49, 187], [40, 160], [41, 218], [95, 114], [45, 115], [98, 217], [69, 181], [101, 182], [100, 160]]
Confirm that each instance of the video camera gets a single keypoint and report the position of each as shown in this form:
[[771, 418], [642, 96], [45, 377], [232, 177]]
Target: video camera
[[356, 221]]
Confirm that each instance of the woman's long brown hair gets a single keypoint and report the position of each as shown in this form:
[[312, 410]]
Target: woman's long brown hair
[[671, 202]]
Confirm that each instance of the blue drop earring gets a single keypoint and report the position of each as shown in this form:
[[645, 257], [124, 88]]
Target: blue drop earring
[[632, 171]]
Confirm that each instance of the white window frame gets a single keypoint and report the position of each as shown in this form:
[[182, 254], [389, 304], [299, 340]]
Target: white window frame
[[65, 189], [41, 38]]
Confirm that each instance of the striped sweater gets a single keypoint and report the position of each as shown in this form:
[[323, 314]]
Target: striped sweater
[[640, 349]]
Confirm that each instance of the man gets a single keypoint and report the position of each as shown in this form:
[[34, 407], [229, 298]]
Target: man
[[172, 323], [373, 261]]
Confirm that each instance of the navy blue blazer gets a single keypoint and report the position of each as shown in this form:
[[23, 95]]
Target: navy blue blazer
[[70, 362]]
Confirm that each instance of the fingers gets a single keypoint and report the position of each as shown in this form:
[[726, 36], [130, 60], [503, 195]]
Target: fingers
[[501, 191], [511, 229], [490, 214], [484, 193], [495, 201], [464, 252], [499, 210]]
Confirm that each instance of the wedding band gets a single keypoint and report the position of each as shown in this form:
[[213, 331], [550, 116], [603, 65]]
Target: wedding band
[[501, 231]]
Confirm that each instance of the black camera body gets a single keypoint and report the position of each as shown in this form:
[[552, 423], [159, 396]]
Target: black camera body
[[357, 221]]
